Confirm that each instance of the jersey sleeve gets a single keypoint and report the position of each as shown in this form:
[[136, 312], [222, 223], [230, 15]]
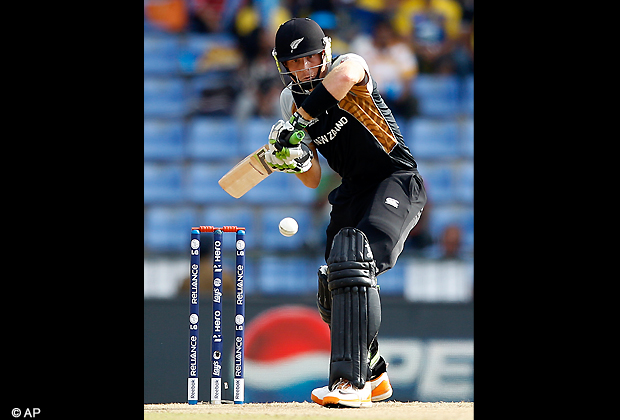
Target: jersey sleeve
[[359, 59]]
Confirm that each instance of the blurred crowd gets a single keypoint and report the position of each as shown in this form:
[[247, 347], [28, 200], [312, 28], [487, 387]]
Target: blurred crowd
[[398, 38]]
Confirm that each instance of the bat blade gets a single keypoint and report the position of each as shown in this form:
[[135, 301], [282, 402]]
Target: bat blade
[[246, 174]]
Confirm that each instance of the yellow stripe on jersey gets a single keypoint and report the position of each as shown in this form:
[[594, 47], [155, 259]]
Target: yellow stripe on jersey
[[360, 105], [358, 102]]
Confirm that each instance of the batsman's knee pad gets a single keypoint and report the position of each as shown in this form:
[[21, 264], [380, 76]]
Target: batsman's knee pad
[[324, 297], [355, 306]]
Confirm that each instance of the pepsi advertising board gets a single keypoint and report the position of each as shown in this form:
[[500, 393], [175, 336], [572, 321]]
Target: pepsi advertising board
[[428, 347]]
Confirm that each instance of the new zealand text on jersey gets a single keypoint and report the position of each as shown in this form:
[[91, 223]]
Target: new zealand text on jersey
[[331, 133]]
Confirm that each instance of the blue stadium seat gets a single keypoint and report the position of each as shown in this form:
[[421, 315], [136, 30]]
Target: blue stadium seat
[[254, 133], [213, 138], [163, 139], [161, 54], [209, 80], [438, 181], [280, 188], [162, 183], [287, 275], [464, 182], [197, 46], [466, 138], [438, 95], [433, 139], [467, 222], [213, 93], [164, 97], [467, 95], [270, 236], [167, 229], [202, 186]]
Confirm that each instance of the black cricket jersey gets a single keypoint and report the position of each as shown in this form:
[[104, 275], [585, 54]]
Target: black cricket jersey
[[359, 137]]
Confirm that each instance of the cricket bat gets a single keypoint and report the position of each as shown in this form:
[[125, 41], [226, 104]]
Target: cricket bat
[[246, 174]]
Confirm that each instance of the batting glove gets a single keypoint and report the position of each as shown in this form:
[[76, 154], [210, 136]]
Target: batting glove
[[290, 133], [293, 160]]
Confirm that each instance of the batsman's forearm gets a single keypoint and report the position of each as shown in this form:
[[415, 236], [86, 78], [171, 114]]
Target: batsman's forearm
[[346, 75], [312, 177], [333, 89]]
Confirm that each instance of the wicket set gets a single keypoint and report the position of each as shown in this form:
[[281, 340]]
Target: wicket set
[[216, 334]]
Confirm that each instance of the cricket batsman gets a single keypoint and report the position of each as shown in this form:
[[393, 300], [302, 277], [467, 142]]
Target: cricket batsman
[[336, 103]]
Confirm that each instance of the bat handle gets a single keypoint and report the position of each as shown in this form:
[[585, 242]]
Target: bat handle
[[295, 138]]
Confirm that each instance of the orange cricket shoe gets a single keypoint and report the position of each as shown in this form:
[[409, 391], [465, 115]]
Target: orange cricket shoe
[[380, 389]]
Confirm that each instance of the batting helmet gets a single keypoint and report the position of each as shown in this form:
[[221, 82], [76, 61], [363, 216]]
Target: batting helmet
[[300, 37]]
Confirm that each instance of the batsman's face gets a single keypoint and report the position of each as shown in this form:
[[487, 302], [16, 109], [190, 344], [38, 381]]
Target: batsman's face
[[305, 68]]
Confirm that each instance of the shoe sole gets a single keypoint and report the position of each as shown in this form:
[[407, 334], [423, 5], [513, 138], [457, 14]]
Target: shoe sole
[[333, 402], [383, 391], [316, 399], [373, 399]]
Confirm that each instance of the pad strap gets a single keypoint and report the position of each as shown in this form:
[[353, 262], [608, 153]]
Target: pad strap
[[351, 273], [324, 297]]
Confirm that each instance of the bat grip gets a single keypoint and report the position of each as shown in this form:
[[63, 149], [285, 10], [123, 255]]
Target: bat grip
[[295, 138]]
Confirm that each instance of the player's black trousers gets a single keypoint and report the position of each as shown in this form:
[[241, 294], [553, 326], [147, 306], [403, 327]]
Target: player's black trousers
[[386, 212]]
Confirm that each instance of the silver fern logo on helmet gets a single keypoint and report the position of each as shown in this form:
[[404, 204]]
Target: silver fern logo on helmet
[[296, 43]]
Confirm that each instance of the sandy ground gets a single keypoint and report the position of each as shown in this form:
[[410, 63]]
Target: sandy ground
[[383, 410]]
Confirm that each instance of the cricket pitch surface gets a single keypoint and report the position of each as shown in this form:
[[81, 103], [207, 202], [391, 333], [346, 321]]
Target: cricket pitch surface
[[387, 410]]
